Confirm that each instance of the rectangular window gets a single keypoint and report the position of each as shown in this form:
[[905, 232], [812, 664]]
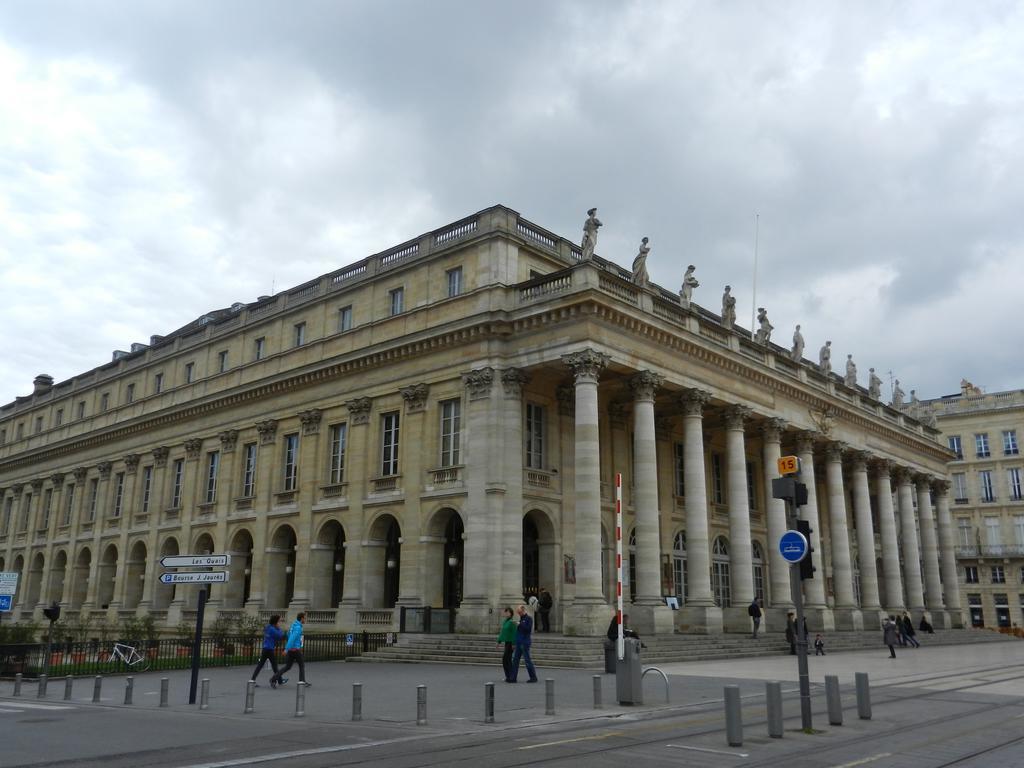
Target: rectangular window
[[389, 444], [129, 393], [960, 488], [971, 574], [259, 347], [966, 534], [81, 409], [339, 437], [21, 430], [94, 492], [998, 575], [981, 445], [345, 318], [39, 425], [158, 383], [300, 334], [1013, 481], [535, 418], [69, 504], [454, 281], [190, 372], [249, 470], [291, 462], [3, 434], [451, 433], [751, 487], [178, 472], [58, 418], [104, 401], [47, 504], [985, 485], [396, 301], [118, 493], [956, 446], [680, 475], [993, 532], [222, 361], [147, 487], [1010, 442], [717, 484], [212, 467]]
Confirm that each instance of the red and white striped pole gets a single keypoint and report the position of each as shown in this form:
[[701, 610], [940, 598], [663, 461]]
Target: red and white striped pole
[[620, 646]]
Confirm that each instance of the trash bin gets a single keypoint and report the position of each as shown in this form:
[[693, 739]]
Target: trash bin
[[609, 656], [629, 675]]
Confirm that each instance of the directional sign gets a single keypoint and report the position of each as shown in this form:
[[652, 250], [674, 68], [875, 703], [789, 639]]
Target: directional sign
[[194, 577], [8, 582], [788, 465], [195, 561], [5, 602], [793, 546]]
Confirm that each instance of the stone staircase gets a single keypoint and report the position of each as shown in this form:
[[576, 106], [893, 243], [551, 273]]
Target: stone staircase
[[552, 650]]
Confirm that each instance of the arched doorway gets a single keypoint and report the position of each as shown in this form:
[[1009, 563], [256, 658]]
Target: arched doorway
[[453, 562], [721, 585], [204, 546], [163, 594], [757, 568], [539, 566], [383, 563], [236, 591], [443, 555], [58, 577], [281, 568], [80, 578], [35, 581], [327, 561], [19, 568], [135, 574], [679, 581], [107, 575]]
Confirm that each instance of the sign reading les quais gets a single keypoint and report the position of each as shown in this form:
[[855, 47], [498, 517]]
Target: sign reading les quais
[[195, 561]]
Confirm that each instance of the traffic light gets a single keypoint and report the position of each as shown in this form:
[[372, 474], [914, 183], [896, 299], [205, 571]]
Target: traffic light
[[52, 613], [807, 568], [800, 494]]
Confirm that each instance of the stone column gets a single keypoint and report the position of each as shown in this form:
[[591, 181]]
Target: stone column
[[847, 614], [231, 592], [735, 617], [125, 587], [871, 607], [511, 535], [947, 554], [911, 550], [309, 469], [263, 500], [649, 613], [157, 498], [96, 527], [816, 610], [889, 540], [588, 615], [411, 592], [930, 552], [357, 549], [780, 594], [700, 614]]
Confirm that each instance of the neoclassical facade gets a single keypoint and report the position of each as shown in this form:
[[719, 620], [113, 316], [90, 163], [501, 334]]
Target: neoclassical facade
[[440, 425]]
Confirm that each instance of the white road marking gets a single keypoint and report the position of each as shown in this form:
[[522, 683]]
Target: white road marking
[[300, 753], [25, 705], [712, 751], [571, 741], [864, 760]]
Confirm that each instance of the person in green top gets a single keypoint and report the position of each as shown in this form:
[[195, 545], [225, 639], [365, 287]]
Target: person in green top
[[508, 637]]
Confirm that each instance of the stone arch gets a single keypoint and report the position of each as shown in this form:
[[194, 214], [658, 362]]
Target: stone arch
[[721, 580], [107, 575], [80, 578], [58, 577], [280, 567], [135, 574], [236, 592], [443, 558], [19, 568], [539, 552], [34, 582], [327, 565], [163, 594], [383, 561]]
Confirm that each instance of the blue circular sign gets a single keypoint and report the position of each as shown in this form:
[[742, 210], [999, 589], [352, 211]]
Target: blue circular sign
[[793, 546]]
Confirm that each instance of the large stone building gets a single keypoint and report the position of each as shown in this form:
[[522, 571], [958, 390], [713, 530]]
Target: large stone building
[[988, 499], [440, 425]]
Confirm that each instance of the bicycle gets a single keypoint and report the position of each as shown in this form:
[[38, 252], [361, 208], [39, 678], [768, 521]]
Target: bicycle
[[130, 657]]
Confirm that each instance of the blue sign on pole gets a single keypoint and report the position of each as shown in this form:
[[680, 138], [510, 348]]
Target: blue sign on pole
[[793, 546], [5, 602]]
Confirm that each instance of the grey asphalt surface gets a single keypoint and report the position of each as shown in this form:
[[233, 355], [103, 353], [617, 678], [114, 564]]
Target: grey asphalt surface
[[931, 706]]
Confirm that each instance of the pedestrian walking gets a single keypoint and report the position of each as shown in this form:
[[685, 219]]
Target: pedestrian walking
[[819, 645], [507, 637], [791, 633], [272, 635], [544, 605], [754, 611], [293, 652], [890, 635], [908, 630], [524, 638]]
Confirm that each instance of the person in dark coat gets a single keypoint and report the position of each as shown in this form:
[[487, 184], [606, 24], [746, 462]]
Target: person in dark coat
[[908, 630], [755, 613], [524, 639], [272, 635], [791, 633], [924, 626], [890, 635], [544, 605]]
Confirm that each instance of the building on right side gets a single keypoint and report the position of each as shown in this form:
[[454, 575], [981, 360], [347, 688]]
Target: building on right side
[[987, 491]]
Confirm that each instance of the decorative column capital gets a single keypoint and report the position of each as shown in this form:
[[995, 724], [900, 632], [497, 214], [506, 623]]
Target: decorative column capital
[[901, 475], [513, 380], [192, 448], [131, 463], [859, 460], [834, 451], [805, 441], [617, 413], [80, 473], [37, 484], [57, 479], [478, 382], [267, 431], [566, 394], [735, 416], [694, 400], [882, 467], [16, 489], [310, 421], [772, 429], [644, 384], [160, 455], [359, 410], [415, 397], [940, 487], [587, 364], [923, 482], [228, 440], [104, 467]]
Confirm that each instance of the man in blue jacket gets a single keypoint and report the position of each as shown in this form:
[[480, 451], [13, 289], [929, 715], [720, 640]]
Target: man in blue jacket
[[271, 637], [293, 649], [524, 638]]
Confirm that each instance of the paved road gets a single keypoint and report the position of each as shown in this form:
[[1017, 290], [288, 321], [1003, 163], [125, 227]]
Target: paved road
[[931, 707]]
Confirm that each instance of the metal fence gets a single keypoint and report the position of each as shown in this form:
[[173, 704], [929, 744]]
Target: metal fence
[[96, 657]]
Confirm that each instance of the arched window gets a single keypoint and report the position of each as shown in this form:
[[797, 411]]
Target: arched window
[[757, 561], [856, 579], [679, 582], [720, 582]]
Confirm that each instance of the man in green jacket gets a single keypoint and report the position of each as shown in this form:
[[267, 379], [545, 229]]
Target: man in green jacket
[[508, 637]]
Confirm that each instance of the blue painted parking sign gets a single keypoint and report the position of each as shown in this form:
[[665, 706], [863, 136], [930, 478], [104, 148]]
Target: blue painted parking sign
[[793, 546], [5, 602]]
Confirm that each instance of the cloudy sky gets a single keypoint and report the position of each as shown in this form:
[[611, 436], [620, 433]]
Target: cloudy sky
[[162, 159]]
